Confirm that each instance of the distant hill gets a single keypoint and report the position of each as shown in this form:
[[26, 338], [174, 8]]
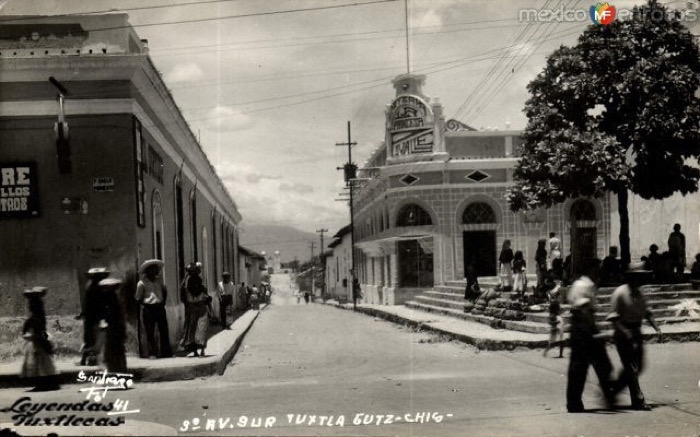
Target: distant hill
[[290, 242]]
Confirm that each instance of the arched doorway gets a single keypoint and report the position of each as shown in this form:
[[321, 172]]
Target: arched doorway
[[582, 214], [479, 238], [415, 256]]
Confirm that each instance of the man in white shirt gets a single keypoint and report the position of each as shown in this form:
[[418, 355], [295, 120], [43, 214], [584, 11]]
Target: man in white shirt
[[226, 291], [152, 295]]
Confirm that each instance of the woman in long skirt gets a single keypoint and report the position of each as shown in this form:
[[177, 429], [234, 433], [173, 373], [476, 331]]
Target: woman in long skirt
[[197, 315], [38, 364]]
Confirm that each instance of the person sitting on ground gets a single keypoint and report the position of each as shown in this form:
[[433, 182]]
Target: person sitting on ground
[[695, 269], [472, 290], [611, 271]]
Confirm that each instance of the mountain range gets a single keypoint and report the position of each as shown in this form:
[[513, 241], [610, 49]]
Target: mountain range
[[290, 242]]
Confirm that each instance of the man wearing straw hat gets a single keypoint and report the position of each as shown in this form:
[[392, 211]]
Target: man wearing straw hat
[[152, 295]]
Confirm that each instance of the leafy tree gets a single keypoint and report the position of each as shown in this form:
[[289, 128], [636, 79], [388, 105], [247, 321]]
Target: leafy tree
[[618, 112]]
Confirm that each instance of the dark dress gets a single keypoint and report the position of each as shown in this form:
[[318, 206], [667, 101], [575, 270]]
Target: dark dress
[[38, 351], [115, 335], [92, 314], [197, 313]]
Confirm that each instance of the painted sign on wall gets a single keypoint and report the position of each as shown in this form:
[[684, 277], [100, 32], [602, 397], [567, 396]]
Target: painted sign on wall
[[410, 126], [19, 196]]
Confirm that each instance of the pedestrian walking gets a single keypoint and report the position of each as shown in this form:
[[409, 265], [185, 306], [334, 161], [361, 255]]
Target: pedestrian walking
[[152, 294], [676, 249], [628, 310], [197, 302], [225, 292], [93, 313], [505, 260], [556, 322], [114, 354], [586, 347], [38, 366], [519, 269]]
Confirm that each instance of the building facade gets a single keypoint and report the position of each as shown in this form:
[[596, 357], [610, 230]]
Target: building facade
[[338, 266], [106, 174], [432, 202], [252, 266]]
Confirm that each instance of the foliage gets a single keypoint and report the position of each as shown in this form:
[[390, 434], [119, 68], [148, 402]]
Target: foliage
[[616, 112]]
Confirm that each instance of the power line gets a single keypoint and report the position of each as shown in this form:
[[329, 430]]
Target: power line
[[340, 35], [479, 87], [228, 17]]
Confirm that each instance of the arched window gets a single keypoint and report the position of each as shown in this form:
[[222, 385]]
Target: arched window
[[193, 222], [157, 214], [582, 209], [214, 244], [478, 213], [413, 215], [179, 230]]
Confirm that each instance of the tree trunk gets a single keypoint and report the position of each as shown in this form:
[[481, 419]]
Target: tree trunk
[[622, 200]]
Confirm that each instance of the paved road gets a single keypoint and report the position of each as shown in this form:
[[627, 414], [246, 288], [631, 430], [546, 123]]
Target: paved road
[[325, 365]]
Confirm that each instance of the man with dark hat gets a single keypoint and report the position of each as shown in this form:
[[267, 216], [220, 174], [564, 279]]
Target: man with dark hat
[[152, 295], [628, 310], [93, 313]]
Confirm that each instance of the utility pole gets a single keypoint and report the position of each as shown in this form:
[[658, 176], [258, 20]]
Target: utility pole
[[313, 268], [323, 263], [350, 172]]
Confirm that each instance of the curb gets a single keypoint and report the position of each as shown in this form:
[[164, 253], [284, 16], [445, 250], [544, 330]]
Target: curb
[[161, 370], [484, 343]]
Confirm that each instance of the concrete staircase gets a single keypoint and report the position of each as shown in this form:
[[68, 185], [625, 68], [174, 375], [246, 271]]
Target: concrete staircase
[[448, 299]]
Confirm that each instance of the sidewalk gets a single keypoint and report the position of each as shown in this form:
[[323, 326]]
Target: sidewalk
[[484, 337], [220, 350]]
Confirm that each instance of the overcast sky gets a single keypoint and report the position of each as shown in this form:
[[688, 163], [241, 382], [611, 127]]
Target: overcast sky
[[269, 86]]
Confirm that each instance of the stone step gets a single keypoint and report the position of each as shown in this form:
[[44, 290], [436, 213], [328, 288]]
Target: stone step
[[444, 303], [522, 326]]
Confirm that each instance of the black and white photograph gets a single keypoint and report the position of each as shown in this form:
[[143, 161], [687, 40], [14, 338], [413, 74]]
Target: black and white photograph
[[350, 218]]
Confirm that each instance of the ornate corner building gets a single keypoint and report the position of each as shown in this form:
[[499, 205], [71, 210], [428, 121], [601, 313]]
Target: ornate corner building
[[432, 201]]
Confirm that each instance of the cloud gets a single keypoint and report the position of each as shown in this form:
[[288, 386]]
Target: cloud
[[264, 199], [225, 119], [257, 177], [297, 188], [189, 72]]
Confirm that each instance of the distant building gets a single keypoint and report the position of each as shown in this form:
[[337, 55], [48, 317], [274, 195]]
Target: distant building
[[435, 204], [252, 266], [338, 266], [120, 180]]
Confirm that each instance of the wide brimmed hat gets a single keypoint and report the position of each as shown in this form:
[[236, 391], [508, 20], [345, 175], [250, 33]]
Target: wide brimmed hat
[[110, 282], [35, 292], [98, 271], [193, 267], [150, 262]]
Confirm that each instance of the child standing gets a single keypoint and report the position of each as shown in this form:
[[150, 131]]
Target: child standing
[[556, 323], [519, 265]]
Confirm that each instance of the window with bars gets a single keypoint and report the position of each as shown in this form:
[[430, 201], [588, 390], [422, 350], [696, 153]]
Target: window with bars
[[478, 213], [413, 215]]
